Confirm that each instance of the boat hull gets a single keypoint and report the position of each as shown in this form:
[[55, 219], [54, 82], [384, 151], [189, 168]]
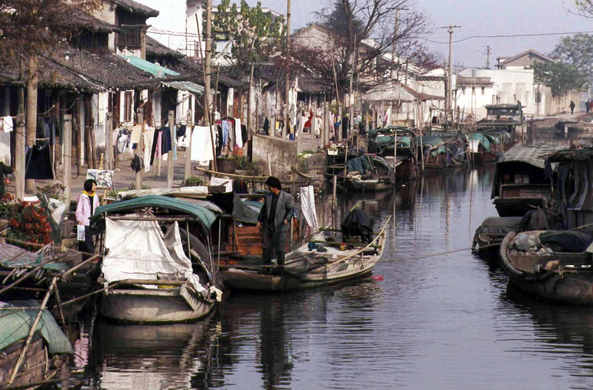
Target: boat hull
[[343, 266], [569, 282], [152, 306], [368, 185], [518, 207]]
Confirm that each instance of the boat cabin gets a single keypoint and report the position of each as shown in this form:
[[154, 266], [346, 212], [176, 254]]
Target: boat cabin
[[505, 117], [520, 181], [573, 175]]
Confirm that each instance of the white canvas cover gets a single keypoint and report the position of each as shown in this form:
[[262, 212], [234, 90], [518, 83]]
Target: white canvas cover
[[308, 206], [139, 250]]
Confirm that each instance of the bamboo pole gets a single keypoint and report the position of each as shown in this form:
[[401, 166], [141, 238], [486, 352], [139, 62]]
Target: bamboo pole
[[67, 136], [25, 276], [32, 330], [108, 140], [139, 148], [188, 132], [59, 302], [170, 154]]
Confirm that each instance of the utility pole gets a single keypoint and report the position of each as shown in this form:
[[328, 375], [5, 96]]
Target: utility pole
[[393, 49], [287, 111], [449, 107], [207, 82], [488, 51]]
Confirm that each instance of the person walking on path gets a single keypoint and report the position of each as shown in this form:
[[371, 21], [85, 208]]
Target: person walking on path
[[87, 203], [274, 219], [572, 106], [587, 107]]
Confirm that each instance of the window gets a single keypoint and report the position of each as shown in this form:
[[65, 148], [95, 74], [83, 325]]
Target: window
[[130, 34], [128, 107]]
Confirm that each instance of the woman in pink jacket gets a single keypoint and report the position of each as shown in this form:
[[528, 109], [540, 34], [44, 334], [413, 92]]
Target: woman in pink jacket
[[86, 205]]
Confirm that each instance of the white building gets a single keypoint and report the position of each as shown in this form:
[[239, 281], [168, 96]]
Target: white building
[[477, 88]]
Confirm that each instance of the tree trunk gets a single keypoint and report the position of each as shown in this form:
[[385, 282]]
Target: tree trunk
[[31, 111]]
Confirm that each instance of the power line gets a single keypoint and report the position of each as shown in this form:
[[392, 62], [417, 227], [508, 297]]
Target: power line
[[509, 36]]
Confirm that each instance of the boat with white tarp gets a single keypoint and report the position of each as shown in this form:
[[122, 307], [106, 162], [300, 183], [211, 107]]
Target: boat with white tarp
[[157, 266]]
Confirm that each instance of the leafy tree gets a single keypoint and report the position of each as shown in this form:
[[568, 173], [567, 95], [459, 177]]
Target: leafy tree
[[255, 35], [337, 19], [576, 51], [584, 7], [559, 76]]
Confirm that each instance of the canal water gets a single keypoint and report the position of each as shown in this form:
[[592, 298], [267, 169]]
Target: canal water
[[433, 316]]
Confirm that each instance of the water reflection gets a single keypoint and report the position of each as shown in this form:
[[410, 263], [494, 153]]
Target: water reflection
[[152, 357], [435, 322]]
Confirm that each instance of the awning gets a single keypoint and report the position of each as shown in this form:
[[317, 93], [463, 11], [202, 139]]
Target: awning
[[533, 155], [149, 67], [162, 202], [186, 86]]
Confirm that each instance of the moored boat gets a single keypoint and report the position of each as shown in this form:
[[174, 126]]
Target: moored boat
[[553, 265], [29, 362], [520, 181], [369, 173], [381, 142], [490, 234], [318, 263], [147, 273]]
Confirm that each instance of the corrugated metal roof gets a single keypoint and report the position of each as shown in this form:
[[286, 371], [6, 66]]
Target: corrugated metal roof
[[149, 67], [186, 86], [533, 155]]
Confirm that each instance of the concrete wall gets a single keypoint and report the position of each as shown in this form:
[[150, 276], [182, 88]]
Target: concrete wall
[[313, 38], [509, 86], [282, 155], [107, 14], [473, 99]]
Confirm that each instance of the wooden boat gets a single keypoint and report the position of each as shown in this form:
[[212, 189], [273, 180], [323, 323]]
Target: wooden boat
[[148, 276], [504, 117], [520, 182], [551, 275], [307, 268], [369, 173], [483, 148], [439, 153], [381, 142], [489, 235], [40, 359]]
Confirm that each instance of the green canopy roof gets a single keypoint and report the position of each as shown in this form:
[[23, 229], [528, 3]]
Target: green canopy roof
[[206, 216], [149, 67], [186, 86], [15, 322]]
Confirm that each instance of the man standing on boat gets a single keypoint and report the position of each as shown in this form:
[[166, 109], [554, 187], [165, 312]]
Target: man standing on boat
[[274, 219]]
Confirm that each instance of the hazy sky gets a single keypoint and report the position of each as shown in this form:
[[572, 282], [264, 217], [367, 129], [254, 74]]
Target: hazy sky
[[476, 17]]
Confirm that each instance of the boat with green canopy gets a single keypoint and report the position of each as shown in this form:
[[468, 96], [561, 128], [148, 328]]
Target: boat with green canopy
[[157, 265]]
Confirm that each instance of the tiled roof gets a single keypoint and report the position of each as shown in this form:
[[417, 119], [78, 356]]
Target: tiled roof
[[138, 8], [155, 48]]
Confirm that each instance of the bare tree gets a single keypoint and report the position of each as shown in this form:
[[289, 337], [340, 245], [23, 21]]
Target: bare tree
[[32, 27], [363, 36]]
